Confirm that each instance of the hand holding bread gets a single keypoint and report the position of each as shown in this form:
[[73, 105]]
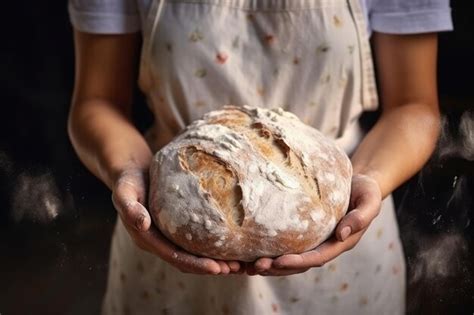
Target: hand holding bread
[[129, 199], [365, 203]]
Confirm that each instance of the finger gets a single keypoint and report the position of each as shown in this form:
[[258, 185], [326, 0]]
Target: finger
[[234, 266], [125, 200], [137, 179], [156, 243], [134, 214], [131, 186], [274, 272], [176, 256], [263, 264], [319, 256], [224, 267], [193, 264], [364, 206], [313, 258], [358, 219]]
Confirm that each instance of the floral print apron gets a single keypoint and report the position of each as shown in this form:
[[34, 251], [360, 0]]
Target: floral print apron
[[310, 57]]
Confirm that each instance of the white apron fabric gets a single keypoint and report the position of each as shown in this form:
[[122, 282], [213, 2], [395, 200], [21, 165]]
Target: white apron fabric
[[311, 57]]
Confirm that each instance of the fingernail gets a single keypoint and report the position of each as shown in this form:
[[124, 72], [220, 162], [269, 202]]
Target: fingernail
[[140, 222], [345, 232]]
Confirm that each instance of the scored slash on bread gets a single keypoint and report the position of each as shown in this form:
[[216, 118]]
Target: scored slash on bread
[[246, 182]]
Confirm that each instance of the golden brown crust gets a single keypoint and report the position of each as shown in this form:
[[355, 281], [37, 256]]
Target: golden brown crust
[[217, 180]]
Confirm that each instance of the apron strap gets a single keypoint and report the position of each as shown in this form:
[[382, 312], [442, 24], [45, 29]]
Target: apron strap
[[369, 89], [149, 30], [158, 8]]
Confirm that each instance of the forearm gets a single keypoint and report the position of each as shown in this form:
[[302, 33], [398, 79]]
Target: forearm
[[106, 141], [398, 146]]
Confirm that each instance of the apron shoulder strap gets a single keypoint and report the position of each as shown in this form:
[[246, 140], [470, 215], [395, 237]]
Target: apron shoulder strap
[[369, 90], [148, 33]]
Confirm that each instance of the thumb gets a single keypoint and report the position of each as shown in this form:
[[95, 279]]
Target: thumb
[[132, 212], [366, 201]]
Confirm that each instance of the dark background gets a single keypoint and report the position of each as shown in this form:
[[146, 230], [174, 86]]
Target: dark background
[[56, 219]]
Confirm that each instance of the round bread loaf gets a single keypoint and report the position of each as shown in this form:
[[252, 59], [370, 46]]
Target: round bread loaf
[[246, 182]]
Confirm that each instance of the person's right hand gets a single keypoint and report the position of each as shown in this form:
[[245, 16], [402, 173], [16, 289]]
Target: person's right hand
[[129, 197]]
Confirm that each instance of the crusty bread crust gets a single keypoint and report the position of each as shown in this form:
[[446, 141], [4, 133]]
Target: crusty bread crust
[[246, 182]]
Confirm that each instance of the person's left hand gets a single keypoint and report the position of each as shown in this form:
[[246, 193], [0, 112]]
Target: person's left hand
[[364, 206]]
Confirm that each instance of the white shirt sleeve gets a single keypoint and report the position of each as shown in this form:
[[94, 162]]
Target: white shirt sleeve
[[409, 16], [105, 16]]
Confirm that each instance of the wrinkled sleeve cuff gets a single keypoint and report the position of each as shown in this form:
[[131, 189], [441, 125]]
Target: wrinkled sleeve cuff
[[412, 22], [103, 23]]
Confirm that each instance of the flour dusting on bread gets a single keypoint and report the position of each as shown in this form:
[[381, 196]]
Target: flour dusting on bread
[[247, 182]]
